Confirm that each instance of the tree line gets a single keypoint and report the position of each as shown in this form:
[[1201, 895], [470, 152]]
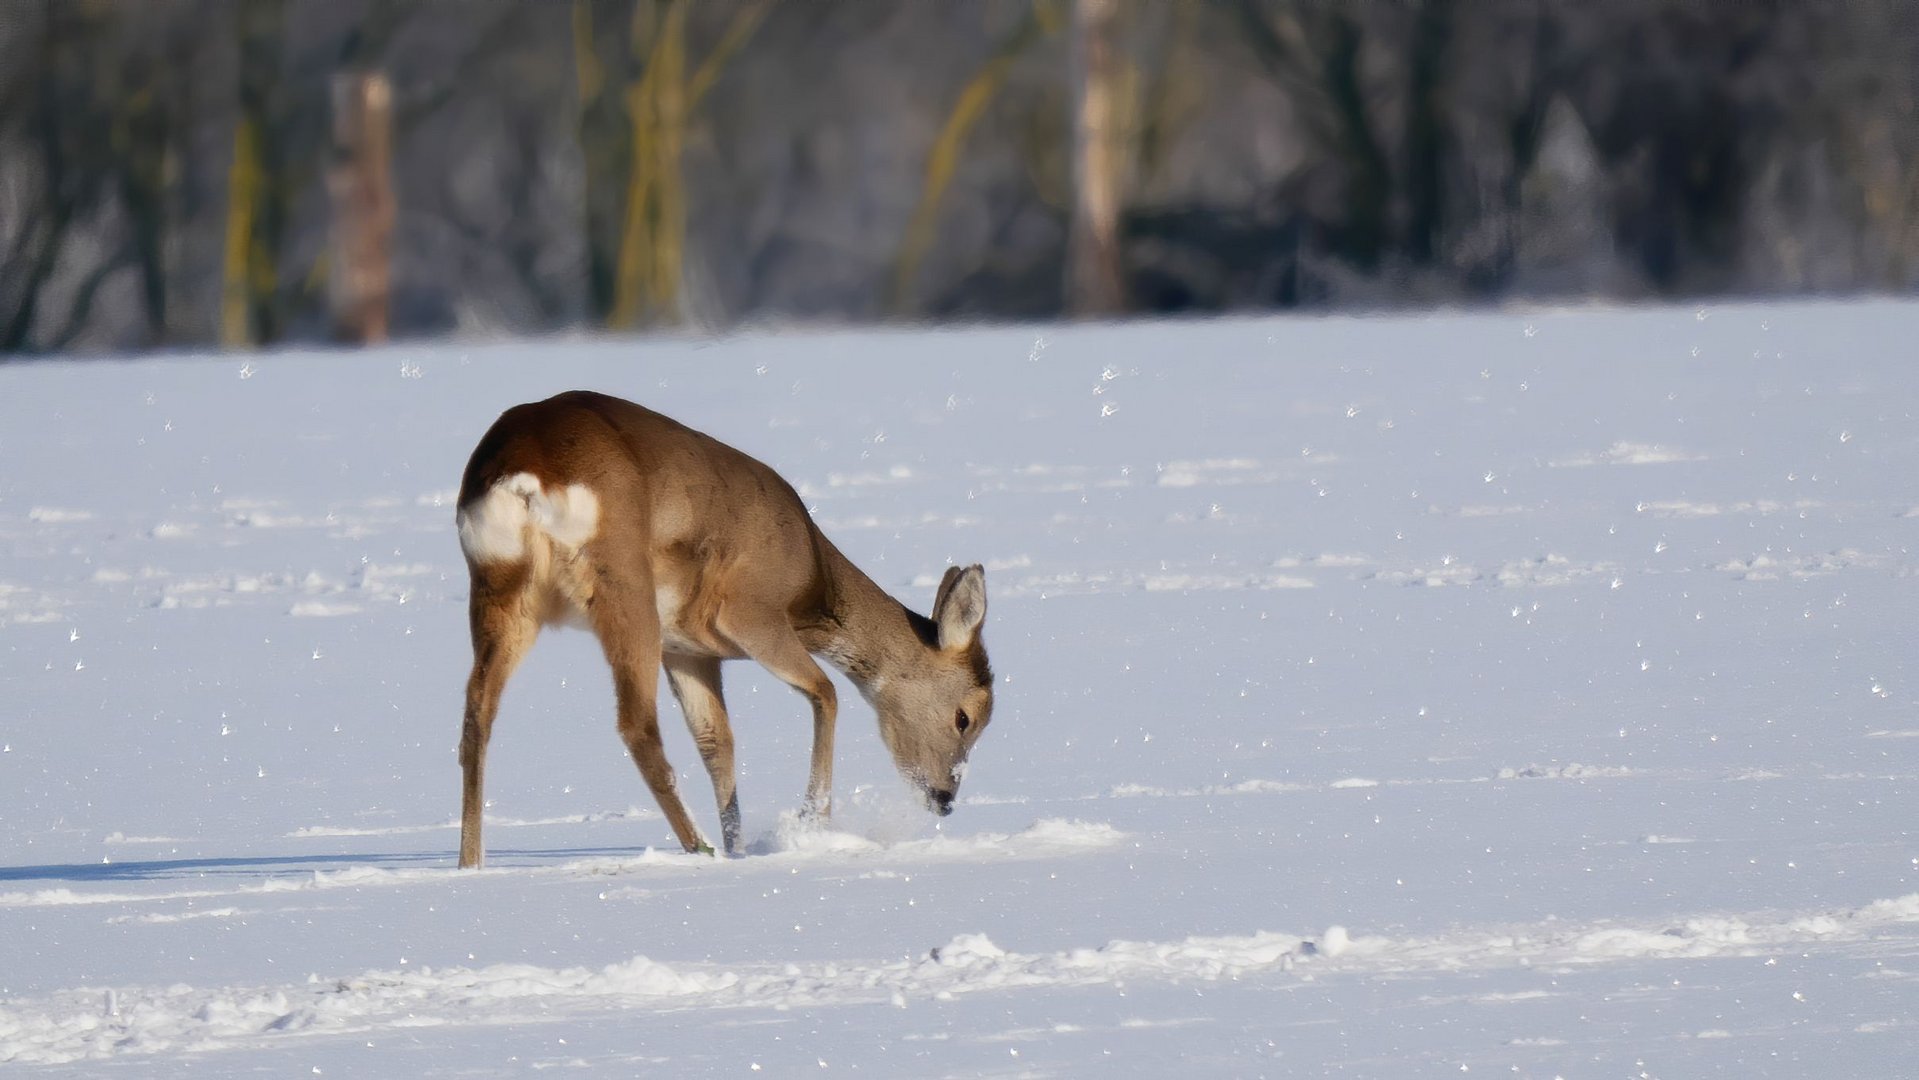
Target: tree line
[[170, 170]]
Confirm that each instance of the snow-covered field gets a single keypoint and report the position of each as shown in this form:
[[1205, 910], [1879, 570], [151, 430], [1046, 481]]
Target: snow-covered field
[[1524, 694]]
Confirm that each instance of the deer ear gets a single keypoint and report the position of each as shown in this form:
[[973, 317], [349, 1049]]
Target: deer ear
[[960, 606]]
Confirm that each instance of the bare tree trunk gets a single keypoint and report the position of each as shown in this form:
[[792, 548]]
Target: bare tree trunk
[[143, 128], [360, 183], [40, 247], [1094, 284], [251, 312], [944, 159], [604, 139], [243, 184], [652, 236], [649, 270], [1425, 138]]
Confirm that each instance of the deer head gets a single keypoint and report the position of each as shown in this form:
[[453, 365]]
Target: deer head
[[933, 708]]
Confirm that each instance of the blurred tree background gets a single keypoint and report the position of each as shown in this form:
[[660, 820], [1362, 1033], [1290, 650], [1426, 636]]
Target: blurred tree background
[[170, 170]]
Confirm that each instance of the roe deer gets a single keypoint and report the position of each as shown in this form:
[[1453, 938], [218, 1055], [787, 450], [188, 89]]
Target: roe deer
[[679, 551]]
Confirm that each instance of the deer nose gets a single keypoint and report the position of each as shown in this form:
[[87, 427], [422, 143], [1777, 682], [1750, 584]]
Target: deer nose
[[942, 803]]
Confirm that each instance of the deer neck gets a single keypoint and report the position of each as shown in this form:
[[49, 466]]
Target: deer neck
[[862, 631]]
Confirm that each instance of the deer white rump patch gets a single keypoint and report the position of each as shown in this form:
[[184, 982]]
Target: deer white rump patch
[[493, 527]]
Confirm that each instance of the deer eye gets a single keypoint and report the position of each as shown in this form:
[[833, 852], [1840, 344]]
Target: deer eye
[[962, 721]]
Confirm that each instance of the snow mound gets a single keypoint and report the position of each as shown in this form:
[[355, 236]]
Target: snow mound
[[81, 1024]]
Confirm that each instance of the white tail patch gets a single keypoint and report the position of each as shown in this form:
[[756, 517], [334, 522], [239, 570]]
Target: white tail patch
[[493, 527], [570, 515]]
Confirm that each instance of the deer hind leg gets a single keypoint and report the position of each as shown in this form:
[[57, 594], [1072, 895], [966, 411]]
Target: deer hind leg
[[770, 641], [628, 627], [696, 684], [503, 630]]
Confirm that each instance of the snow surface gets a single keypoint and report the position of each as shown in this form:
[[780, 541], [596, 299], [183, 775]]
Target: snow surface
[[1524, 693]]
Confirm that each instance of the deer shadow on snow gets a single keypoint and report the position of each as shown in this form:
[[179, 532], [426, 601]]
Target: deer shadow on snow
[[266, 867]]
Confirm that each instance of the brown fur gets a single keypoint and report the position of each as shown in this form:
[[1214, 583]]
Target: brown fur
[[703, 554]]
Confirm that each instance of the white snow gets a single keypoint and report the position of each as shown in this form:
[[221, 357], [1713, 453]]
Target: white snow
[[1379, 697]]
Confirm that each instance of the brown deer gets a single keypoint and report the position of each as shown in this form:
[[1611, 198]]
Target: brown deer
[[679, 551]]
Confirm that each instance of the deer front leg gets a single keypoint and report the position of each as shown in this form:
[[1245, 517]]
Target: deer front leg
[[768, 639], [696, 684], [819, 783]]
